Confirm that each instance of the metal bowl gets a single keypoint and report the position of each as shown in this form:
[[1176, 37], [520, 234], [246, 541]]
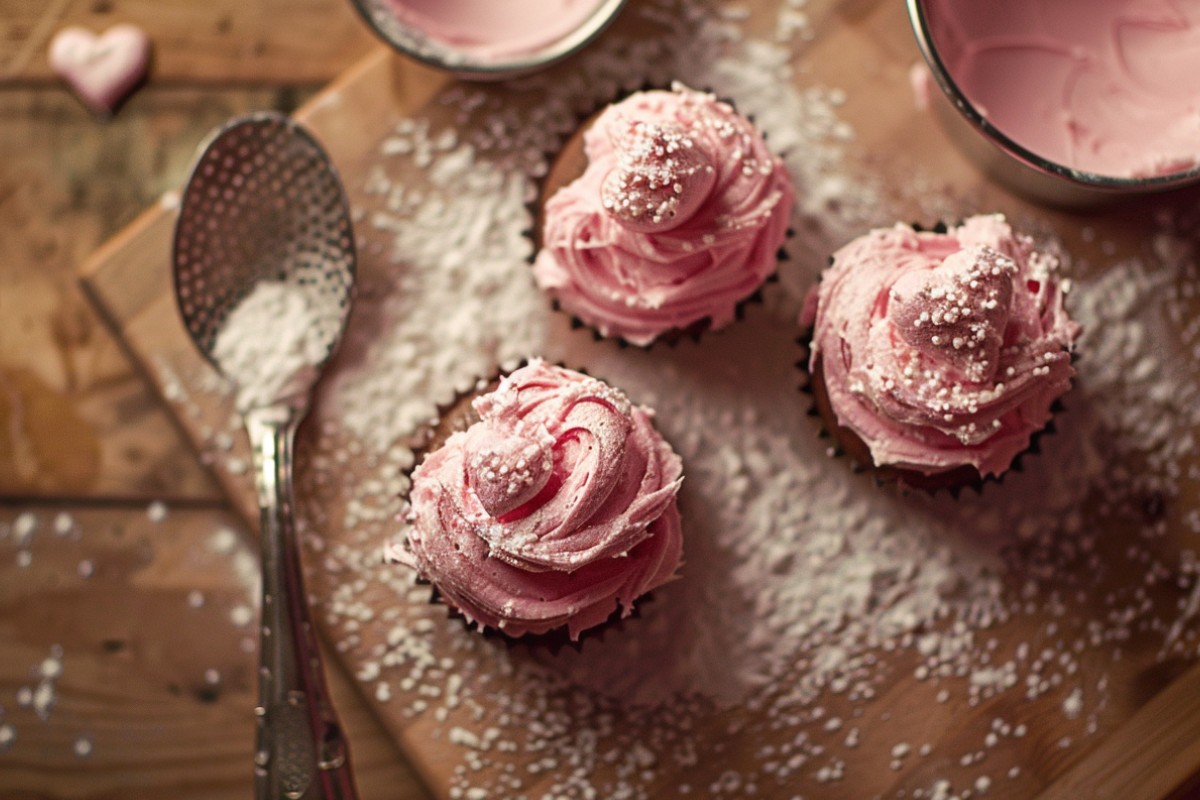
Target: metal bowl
[[1011, 164], [383, 20]]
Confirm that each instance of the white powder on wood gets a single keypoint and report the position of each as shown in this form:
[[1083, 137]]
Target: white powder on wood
[[82, 746]]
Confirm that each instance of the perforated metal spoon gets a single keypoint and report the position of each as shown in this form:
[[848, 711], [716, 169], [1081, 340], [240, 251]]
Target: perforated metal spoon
[[263, 203]]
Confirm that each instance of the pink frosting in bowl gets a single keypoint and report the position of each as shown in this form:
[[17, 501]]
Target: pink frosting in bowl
[[496, 30], [556, 508], [677, 218], [941, 350], [1109, 88], [1069, 102], [488, 39]]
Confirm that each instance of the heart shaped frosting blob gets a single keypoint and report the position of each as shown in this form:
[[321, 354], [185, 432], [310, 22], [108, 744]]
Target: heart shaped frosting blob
[[101, 69], [661, 179], [956, 313], [506, 471]]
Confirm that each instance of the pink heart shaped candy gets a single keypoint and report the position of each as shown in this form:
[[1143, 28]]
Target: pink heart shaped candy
[[956, 313], [507, 471], [102, 69], [661, 178]]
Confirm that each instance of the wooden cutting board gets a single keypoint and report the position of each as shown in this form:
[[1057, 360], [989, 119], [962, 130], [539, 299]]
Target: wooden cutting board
[[1144, 745]]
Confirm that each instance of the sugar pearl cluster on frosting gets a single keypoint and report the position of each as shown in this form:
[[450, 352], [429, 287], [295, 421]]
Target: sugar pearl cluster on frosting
[[954, 317], [941, 350], [661, 178], [510, 471], [555, 508], [958, 317]]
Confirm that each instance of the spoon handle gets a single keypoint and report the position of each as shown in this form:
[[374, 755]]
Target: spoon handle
[[301, 753]]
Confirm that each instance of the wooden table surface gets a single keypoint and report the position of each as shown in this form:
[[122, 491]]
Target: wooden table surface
[[114, 537], [93, 704]]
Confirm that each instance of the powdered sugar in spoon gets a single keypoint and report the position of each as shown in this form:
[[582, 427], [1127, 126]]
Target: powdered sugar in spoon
[[264, 268]]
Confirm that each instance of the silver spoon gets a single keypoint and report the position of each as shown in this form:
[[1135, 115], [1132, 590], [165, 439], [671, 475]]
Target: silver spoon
[[263, 205]]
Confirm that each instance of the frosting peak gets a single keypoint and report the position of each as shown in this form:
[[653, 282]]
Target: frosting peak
[[555, 507], [956, 313], [506, 471], [661, 178]]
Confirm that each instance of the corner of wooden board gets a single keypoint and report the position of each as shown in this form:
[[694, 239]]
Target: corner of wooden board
[[1154, 755]]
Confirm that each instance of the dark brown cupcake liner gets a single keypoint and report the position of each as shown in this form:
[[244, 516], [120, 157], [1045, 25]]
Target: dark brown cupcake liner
[[457, 415], [672, 337], [552, 641]]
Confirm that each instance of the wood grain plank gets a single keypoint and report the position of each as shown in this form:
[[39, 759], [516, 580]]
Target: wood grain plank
[[148, 625], [262, 42], [1153, 755]]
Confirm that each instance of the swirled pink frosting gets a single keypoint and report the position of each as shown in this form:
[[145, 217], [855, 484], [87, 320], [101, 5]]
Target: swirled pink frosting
[[677, 218], [553, 509], [942, 349]]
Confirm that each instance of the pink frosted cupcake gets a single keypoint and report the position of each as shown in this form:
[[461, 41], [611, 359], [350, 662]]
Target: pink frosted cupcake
[[937, 356], [662, 217], [555, 506]]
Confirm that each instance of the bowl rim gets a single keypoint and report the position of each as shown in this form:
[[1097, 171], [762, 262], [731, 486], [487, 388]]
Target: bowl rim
[[600, 18], [1084, 178]]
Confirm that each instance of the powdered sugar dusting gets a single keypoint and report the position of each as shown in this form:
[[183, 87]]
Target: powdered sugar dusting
[[458, 237]]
